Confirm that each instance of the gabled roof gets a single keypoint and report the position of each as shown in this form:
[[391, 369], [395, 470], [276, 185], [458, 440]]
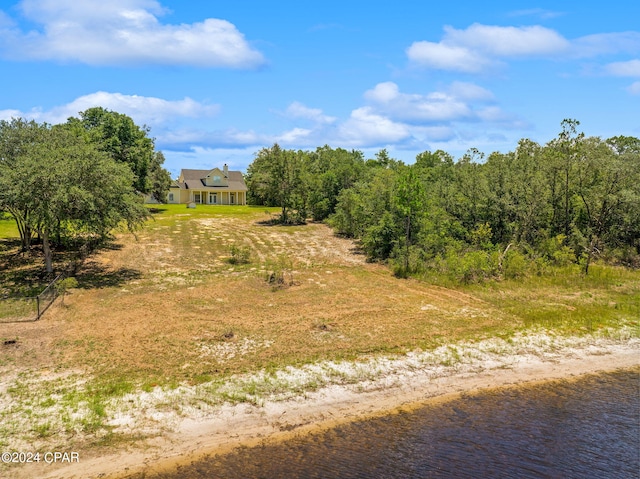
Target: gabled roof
[[194, 179]]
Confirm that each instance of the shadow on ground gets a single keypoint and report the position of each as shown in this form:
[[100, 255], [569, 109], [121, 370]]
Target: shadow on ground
[[93, 275], [22, 274]]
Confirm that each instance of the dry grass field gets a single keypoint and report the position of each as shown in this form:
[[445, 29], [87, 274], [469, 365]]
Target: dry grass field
[[171, 307], [168, 306]]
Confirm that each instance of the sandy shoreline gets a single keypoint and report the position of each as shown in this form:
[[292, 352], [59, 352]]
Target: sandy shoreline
[[273, 420]]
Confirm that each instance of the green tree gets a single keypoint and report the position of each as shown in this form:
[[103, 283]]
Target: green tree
[[627, 229], [410, 201], [607, 186], [363, 205], [471, 191], [329, 172], [561, 157], [159, 178], [117, 134], [17, 137], [60, 179], [277, 177]]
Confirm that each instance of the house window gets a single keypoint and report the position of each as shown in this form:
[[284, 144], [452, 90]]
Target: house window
[[232, 199], [216, 179], [213, 198], [196, 197], [170, 196]]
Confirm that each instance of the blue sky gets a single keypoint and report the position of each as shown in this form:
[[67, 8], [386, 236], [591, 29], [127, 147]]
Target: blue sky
[[217, 81]]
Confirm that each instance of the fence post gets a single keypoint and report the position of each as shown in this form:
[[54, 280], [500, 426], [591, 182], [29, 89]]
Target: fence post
[[38, 307]]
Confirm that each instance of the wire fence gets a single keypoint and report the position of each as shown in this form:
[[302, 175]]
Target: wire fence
[[31, 308]]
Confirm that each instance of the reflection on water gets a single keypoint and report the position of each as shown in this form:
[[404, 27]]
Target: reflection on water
[[584, 429]]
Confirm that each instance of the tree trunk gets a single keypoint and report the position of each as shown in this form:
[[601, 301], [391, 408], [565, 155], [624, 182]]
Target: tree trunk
[[407, 238], [592, 244], [23, 229], [46, 247]]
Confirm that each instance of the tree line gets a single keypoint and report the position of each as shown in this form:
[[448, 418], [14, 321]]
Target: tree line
[[78, 179], [569, 201]]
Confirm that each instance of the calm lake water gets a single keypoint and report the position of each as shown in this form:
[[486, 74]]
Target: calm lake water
[[586, 428]]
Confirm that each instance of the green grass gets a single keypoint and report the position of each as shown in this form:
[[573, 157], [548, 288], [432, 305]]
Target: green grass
[[163, 213], [567, 301], [8, 228], [18, 309]]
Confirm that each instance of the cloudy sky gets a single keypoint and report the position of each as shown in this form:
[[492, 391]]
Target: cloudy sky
[[216, 81]]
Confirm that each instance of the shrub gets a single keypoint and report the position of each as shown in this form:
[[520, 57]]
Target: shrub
[[557, 251], [279, 274], [624, 256], [416, 262], [379, 239], [239, 254], [515, 265], [470, 267], [481, 236]]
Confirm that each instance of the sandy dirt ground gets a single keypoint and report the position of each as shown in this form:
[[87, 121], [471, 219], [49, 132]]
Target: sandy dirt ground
[[248, 425]]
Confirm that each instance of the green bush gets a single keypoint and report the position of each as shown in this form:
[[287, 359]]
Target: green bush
[[624, 256], [402, 267], [379, 240], [470, 267], [239, 254], [555, 250], [515, 265], [279, 272]]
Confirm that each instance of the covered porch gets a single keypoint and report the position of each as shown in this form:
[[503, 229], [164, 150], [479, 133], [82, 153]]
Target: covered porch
[[207, 197]]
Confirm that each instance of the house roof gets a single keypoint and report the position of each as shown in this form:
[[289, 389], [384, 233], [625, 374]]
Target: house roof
[[194, 179]]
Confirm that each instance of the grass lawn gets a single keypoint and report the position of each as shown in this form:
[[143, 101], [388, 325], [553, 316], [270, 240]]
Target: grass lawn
[[8, 228], [168, 307]]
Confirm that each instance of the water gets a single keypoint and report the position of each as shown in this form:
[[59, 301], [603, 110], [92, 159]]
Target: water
[[587, 428]]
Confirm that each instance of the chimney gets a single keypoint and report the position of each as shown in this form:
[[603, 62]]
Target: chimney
[[225, 169]]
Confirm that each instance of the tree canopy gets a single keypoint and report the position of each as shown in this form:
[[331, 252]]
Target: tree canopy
[[498, 215], [117, 135], [59, 182]]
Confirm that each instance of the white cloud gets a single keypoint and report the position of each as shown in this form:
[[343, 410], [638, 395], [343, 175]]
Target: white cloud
[[299, 111], [470, 91], [435, 133], [451, 104], [8, 114], [634, 88], [367, 128], [124, 32], [385, 92], [630, 68], [390, 117], [475, 48], [478, 47], [606, 43], [446, 57], [189, 138], [536, 12], [294, 136], [508, 41], [143, 109], [204, 158]]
